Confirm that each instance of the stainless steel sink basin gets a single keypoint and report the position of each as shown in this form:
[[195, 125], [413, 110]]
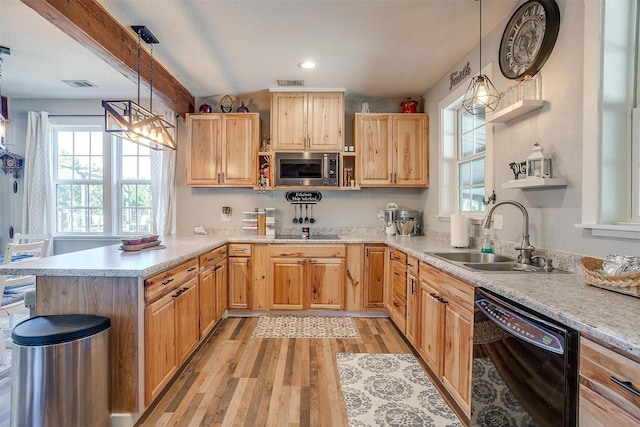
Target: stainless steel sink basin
[[504, 266], [474, 257], [311, 237]]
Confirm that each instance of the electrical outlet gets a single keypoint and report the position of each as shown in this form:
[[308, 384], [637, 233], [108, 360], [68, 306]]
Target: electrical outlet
[[497, 222]]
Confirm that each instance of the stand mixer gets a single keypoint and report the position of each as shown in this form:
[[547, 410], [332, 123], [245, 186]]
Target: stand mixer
[[390, 218]]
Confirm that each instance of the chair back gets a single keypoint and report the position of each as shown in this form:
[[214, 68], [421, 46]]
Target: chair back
[[30, 238], [20, 284]]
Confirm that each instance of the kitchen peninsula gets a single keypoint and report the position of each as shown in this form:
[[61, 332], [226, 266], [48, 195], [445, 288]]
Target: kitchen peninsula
[[109, 282]]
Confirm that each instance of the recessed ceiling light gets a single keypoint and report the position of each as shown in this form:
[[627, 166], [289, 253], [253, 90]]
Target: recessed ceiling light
[[308, 64]]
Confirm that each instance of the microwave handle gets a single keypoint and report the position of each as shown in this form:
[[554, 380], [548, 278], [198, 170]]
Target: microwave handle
[[325, 169]]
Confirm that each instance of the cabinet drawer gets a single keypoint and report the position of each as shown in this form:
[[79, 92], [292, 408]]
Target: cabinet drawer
[[307, 251], [398, 256], [213, 257], [413, 265], [399, 280], [399, 304], [158, 285], [240, 249], [612, 377], [454, 288]]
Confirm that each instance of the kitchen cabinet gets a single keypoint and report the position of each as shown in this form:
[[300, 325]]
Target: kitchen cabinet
[[307, 121], [222, 150], [393, 149], [307, 276], [413, 301], [353, 293], [609, 393], [213, 277], [240, 275], [397, 288], [374, 276], [446, 339], [171, 324]]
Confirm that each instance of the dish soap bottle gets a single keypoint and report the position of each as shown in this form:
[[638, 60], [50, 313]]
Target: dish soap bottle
[[487, 244]]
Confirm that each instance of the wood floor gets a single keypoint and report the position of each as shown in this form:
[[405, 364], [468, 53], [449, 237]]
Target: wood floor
[[236, 380]]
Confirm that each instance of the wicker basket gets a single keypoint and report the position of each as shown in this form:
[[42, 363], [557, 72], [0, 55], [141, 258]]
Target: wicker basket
[[628, 283]]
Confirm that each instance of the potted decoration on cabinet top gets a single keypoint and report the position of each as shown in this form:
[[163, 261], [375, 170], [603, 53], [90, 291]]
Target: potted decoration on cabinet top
[[409, 105]]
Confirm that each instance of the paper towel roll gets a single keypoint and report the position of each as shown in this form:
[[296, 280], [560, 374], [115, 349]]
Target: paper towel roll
[[459, 230]]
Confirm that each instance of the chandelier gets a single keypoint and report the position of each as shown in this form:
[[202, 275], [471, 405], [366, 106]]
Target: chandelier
[[481, 93], [129, 120]]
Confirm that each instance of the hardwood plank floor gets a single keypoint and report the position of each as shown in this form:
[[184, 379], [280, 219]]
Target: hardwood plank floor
[[236, 380]]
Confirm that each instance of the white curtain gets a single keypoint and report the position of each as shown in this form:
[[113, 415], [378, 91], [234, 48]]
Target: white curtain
[[37, 203], [163, 188]]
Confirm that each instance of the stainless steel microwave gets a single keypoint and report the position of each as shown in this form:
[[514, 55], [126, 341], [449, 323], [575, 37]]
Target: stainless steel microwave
[[306, 169]]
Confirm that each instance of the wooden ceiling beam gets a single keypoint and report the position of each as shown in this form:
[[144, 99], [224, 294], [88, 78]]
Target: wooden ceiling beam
[[87, 22]]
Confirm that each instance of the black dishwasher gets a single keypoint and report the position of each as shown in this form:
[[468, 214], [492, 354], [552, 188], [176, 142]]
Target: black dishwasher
[[525, 367]]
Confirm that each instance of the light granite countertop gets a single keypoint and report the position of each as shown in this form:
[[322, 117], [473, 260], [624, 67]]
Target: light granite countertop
[[604, 315]]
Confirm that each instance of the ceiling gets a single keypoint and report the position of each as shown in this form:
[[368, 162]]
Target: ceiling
[[372, 48]]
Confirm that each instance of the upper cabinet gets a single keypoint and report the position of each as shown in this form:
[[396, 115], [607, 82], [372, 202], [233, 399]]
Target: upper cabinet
[[307, 121], [393, 149], [222, 150]]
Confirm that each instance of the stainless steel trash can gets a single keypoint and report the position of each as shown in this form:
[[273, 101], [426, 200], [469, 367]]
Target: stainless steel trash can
[[60, 371]]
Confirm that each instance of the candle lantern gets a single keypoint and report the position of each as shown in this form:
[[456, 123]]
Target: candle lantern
[[538, 163]]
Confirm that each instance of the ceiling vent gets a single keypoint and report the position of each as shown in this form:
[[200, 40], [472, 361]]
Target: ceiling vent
[[79, 83], [290, 82]]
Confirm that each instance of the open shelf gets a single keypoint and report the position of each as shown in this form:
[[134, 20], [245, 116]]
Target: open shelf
[[535, 183], [513, 111]]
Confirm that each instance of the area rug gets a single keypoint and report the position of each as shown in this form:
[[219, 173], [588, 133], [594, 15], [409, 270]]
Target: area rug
[[390, 390], [305, 327]]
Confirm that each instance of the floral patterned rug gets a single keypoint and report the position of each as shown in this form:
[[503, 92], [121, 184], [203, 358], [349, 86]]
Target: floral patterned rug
[[390, 390], [305, 327]]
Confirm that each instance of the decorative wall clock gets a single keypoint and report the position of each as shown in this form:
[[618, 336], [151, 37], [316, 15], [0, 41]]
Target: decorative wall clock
[[528, 38]]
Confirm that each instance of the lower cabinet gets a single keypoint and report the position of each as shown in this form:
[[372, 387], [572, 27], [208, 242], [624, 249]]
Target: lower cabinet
[[171, 324], [446, 340], [307, 276], [373, 276], [412, 329], [397, 288], [240, 275], [213, 288], [608, 387]]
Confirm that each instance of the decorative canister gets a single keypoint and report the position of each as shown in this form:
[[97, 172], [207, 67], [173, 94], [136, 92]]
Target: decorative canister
[[205, 108], [409, 106], [242, 108]]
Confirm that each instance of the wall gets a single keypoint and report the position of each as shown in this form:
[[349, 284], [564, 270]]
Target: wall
[[553, 212]]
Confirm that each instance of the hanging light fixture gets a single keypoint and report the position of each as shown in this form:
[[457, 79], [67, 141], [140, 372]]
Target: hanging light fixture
[[4, 107], [481, 93], [129, 120]]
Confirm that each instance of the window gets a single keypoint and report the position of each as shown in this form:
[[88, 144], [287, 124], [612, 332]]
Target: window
[[466, 156], [471, 149], [90, 199]]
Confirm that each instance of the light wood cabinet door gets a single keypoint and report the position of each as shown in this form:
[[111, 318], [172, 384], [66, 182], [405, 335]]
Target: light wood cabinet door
[[288, 279], [187, 325], [203, 149], [240, 138], [160, 351], [325, 277], [410, 160], [413, 309], [288, 121], [458, 352], [302, 121], [374, 142], [325, 121], [431, 341], [240, 277], [374, 276], [399, 295], [222, 288], [207, 301]]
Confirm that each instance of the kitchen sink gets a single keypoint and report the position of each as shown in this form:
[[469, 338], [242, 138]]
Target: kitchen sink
[[311, 237], [474, 257], [488, 263]]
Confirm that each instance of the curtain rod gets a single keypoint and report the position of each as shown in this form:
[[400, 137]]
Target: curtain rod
[[76, 115]]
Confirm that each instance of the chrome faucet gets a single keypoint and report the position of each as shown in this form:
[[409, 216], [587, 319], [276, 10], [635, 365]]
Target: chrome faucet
[[526, 250]]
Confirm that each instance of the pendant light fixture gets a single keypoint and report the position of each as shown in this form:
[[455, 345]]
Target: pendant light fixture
[[3, 118], [129, 120], [481, 93]]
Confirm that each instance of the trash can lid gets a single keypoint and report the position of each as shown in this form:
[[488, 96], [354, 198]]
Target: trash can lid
[[57, 329]]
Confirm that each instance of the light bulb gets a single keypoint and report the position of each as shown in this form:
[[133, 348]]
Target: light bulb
[[482, 95]]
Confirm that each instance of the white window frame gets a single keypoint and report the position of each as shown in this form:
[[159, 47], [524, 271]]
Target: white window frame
[[447, 165], [609, 73], [110, 179]]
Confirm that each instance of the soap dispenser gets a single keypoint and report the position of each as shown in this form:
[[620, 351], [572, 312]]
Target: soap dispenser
[[487, 243]]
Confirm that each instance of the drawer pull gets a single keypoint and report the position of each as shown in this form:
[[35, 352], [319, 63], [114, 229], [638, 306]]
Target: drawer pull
[[239, 250], [210, 259], [396, 274], [191, 269], [627, 385], [166, 282]]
